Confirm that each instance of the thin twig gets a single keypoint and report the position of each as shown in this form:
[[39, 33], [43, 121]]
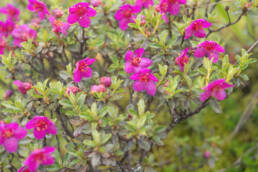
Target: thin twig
[[252, 46]]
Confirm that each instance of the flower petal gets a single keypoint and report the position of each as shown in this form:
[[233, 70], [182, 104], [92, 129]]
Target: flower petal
[[204, 96], [219, 94], [84, 21], [151, 88], [138, 86], [77, 76], [39, 134], [139, 52], [11, 145], [72, 18], [129, 68]]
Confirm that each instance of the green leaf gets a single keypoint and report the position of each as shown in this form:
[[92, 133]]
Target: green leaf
[[141, 106]]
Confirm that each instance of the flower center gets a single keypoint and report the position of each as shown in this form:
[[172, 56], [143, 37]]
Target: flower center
[[8, 133], [136, 61], [58, 23], [164, 6], [11, 11], [144, 77], [38, 6], [209, 47], [83, 66], [127, 13], [172, 1], [80, 10], [196, 26], [41, 125]]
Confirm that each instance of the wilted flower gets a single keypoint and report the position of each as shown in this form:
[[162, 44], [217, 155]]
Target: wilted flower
[[57, 13], [95, 3], [210, 49], [81, 13], [106, 81], [39, 7], [22, 33], [59, 26], [8, 94], [196, 28], [215, 89], [39, 157], [72, 89], [171, 6], [23, 87], [144, 80], [135, 62], [144, 3], [42, 126], [182, 59], [83, 69], [97, 89], [11, 12], [126, 14], [10, 134], [6, 28]]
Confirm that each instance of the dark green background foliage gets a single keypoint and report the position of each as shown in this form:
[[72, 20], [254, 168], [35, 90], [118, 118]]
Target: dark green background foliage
[[183, 150]]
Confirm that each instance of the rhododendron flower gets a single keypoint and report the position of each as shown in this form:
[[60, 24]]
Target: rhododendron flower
[[39, 157], [144, 3], [210, 49], [95, 3], [207, 154], [8, 94], [126, 14], [59, 26], [81, 13], [57, 13], [72, 89], [23, 87], [134, 61], [182, 59], [97, 89], [215, 89], [6, 28], [11, 12], [39, 7], [42, 126], [171, 6], [22, 33], [83, 69], [106, 81], [144, 80], [196, 28], [2, 45], [10, 134]]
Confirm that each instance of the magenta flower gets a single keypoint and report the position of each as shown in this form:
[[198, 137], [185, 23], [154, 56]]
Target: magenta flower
[[182, 59], [210, 49], [83, 69], [171, 6], [144, 80], [81, 13], [10, 134], [2, 45], [215, 89], [8, 94], [6, 28], [144, 3], [58, 26], [72, 89], [97, 89], [196, 28], [106, 81], [135, 62], [22, 33], [126, 14], [57, 13], [23, 87], [39, 7], [42, 126], [11, 12], [39, 157]]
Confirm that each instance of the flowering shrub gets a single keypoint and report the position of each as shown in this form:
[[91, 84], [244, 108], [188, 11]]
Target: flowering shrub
[[88, 79]]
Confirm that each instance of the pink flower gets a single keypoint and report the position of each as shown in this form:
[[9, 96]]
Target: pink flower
[[207, 154], [2, 45], [23, 87], [22, 33], [59, 26], [42, 126], [8, 94], [10, 134], [97, 89], [95, 3], [135, 62], [144, 3], [72, 89], [81, 13], [83, 69], [215, 89], [210, 49], [126, 14], [39, 157], [106, 81], [144, 80], [171, 6], [39, 7], [196, 28], [57, 13], [182, 59], [6, 28], [11, 12]]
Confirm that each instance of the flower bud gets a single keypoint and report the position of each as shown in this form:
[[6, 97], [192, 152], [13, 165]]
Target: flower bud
[[97, 89], [207, 154], [57, 13], [8, 94], [72, 89], [95, 3], [143, 20], [106, 81]]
